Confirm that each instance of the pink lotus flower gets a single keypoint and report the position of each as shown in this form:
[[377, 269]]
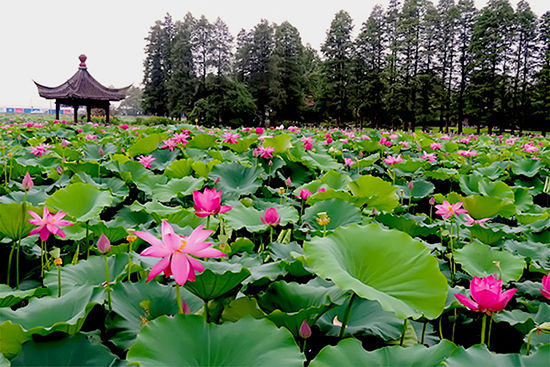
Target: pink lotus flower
[[230, 138], [146, 160], [181, 137], [348, 161], [271, 217], [308, 143], [259, 130], [123, 126], [40, 149], [487, 295], [305, 330], [392, 160], [175, 252], [103, 244], [471, 221], [546, 286], [467, 153], [304, 194], [169, 144], [264, 152], [435, 146], [384, 141], [48, 223], [428, 156], [447, 210], [530, 148], [209, 202], [27, 182]]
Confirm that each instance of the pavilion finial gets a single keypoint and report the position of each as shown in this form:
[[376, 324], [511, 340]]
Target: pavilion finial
[[82, 59]]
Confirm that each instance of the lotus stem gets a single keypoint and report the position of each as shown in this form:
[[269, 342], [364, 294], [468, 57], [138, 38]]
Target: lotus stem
[[440, 328], [423, 331], [346, 316], [454, 327], [17, 263], [270, 234], [58, 281], [403, 333], [483, 326], [489, 333], [178, 299], [23, 212], [42, 245], [301, 210], [107, 285], [208, 222], [129, 259], [529, 337], [9, 263]]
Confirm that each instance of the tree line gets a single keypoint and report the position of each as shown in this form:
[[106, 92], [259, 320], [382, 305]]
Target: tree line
[[412, 64]]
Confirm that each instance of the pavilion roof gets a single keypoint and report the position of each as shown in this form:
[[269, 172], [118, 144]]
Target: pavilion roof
[[82, 86]]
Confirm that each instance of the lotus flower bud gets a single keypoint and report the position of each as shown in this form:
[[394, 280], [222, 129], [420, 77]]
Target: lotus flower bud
[[288, 182], [58, 261], [185, 306], [271, 217], [103, 245], [305, 330], [27, 182], [101, 151], [432, 201], [59, 169], [411, 185]]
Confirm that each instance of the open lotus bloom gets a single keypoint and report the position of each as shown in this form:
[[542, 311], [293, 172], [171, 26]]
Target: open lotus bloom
[[209, 202], [447, 209], [546, 286], [271, 217], [487, 295], [175, 252], [48, 223]]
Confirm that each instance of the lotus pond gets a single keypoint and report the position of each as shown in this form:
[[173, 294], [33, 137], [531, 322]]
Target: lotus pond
[[189, 246]]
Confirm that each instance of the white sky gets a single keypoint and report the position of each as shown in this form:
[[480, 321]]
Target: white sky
[[41, 40]]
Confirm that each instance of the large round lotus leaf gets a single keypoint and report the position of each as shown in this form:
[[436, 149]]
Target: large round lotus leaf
[[481, 260], [281, 143], [421, 189], [249, 218], [366, 317], [235, 179], [479, 355], [487, 206], [217, 279], [339, 211], [202, 141], [526, 167], [349, 352], [242, 145], [45, 315], [314, 160], [10, 297], [383, 265], [147, 144], [186, 340], [75, 350], [135, 304], [88, 273], [14, 220], [176, 187], [81, 200], [375, 192], [179, 168], [12, 338]]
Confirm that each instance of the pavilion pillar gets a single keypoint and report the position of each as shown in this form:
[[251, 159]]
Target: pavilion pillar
[[75, 108], [107, 119], [57, 110], [88, 113]]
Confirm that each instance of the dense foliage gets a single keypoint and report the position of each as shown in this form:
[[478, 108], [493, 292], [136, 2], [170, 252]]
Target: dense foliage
[[413, 63], [329, 247]]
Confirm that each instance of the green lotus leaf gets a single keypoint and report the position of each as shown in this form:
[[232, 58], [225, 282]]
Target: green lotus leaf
[[202, 141], [289, 304], [12, 338], [349, 352], [236, 180], [526, 167], [203, 169], [335, 180], [479, 355], [481, 260], [186, 340], [412, 224], [10, 297], [384, 265], [366, 317], [536, 253], [176, 187], [315, 160], [86, 273], [4, 362], [281, 143], [340, 213], [242, 307], [82, 201], [179, 168], [420, 190], [14, 220], [487, 206], [217, 279], [242, 145], [146, 144], [135, 304], [249, 218], [442, 174], [74, 350], [46, 315], [376, 192]]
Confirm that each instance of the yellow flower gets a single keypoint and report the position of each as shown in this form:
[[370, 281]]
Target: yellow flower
[[322, 218]]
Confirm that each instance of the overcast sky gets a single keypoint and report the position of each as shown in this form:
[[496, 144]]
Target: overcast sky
[[41, 40]]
